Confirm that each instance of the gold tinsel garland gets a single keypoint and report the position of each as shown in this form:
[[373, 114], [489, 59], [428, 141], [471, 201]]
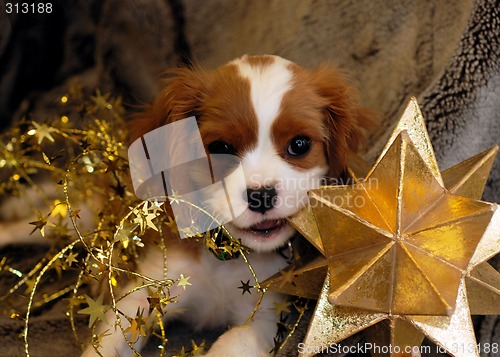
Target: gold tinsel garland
[[82, 154], [76, 164]]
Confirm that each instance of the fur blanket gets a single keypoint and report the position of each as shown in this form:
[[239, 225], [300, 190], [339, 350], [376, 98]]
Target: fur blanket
[[445, 53]]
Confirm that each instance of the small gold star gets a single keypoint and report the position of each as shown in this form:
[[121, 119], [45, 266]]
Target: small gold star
[[137, 326], [154, 303], [42, 131], [149, 220], [183, 281], [144, 218], [157, 302], [156, 206], [287, 276], [76, 213], [95, 309], [125, 234], [282, 306], [209, 242], [40, 225], [71, 258], [182, 353], [97, 339], [101, 101], [198, 350]]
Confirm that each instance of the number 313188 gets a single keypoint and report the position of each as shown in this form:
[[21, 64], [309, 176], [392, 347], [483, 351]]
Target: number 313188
[[26, 8]]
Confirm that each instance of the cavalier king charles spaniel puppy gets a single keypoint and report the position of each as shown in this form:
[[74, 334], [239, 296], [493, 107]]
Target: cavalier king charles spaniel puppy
[[290, 128]]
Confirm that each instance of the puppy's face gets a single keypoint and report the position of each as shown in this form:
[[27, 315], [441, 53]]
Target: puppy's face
[[289, 127]]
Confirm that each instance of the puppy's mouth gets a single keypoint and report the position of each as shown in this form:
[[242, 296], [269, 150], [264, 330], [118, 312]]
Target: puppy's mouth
[[267, 227]]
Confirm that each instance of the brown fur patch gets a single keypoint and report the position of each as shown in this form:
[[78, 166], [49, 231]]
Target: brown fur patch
[[259, 61], [227, 113], [324, 100], [179, 99], [300, 115]]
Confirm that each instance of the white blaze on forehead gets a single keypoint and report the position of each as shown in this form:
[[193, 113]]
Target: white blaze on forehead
[[269, 82]]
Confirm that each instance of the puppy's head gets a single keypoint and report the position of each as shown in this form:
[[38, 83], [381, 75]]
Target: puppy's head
[[290, 127]]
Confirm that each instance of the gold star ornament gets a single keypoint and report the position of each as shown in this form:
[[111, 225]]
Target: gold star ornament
[[401, 249], [96, 309]]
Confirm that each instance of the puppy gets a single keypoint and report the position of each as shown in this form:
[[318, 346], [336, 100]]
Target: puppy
[[290, 128]]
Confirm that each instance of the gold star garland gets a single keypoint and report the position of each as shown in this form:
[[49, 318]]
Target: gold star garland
[[84, 147], [79, 150]]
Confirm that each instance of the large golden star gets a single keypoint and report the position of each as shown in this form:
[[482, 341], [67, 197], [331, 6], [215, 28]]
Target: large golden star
[[402, 246]]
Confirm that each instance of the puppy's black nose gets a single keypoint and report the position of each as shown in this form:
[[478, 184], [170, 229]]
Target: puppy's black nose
[[261, 199]]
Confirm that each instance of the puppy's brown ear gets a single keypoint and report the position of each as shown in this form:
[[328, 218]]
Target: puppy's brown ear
[[179, 99], [345, 119]]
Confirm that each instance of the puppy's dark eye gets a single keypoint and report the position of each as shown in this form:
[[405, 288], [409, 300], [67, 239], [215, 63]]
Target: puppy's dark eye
[[220, 147], [299, 146]]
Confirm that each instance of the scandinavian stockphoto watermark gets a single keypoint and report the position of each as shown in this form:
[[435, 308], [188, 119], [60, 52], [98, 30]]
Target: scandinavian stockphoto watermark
[[171, 163], [294, 190], [373, 348]]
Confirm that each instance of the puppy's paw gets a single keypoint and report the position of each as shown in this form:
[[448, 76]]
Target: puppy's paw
[[243, 341]]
